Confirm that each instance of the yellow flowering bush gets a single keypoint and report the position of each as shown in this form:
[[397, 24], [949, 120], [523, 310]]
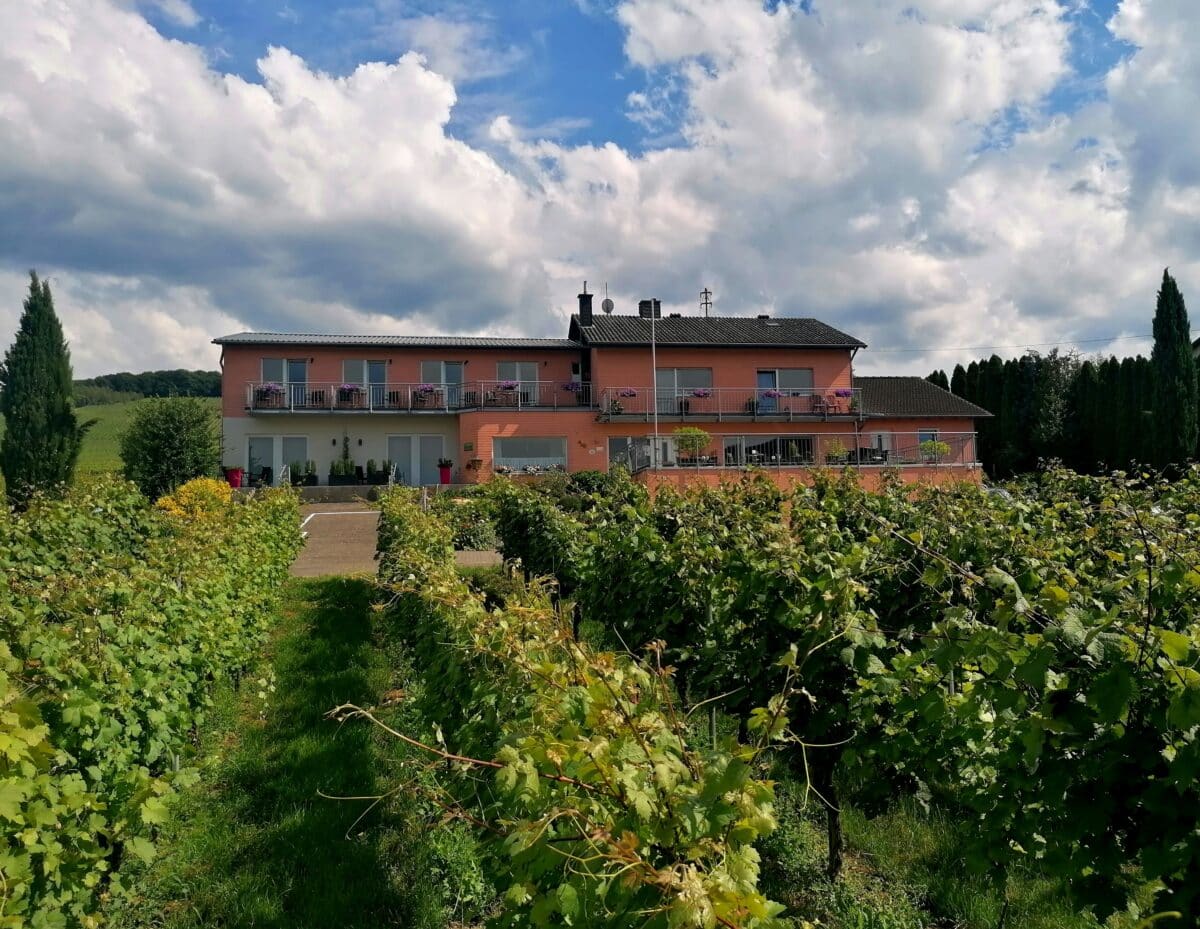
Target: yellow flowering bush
[[199, 498]]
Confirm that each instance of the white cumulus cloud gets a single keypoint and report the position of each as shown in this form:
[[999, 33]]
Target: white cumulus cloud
[[891, 167]]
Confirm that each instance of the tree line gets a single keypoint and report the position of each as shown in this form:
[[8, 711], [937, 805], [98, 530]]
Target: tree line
[[1093, 415], [125, 385]]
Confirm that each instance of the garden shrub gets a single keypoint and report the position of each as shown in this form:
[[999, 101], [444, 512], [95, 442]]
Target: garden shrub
[[169, 441]]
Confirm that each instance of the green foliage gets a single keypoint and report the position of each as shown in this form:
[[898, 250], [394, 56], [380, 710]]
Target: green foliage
[[595, 809], [173, 383], [42, 435], [1175, 389], [1030, 661], [470, 520], [691, 441], [934, 450], [536, 531], [88, 395], [168, 442], [116, 620], [938, 378]]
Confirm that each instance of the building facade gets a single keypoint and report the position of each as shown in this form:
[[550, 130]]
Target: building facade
[[775, 393]]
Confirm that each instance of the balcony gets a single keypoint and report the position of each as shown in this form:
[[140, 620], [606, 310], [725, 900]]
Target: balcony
[[268, 397], [720, 404], [834, 450]]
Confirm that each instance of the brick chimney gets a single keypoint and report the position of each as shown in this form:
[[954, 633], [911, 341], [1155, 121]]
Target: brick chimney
[[585, 307]]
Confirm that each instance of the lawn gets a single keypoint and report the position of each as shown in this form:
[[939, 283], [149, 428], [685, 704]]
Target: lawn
[[258, 841], [101, 445]]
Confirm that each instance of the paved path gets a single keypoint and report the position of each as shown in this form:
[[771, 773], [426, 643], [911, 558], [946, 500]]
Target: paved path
[[342, 537], [341, 540]]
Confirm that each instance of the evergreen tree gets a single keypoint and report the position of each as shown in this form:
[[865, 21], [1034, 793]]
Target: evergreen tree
[[939, 378], [958, 382], [1084, 389], [42, 436], [1106, 426], [1175, 394]]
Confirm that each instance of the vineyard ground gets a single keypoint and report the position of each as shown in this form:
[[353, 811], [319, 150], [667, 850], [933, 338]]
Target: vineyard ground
[[254, 843]]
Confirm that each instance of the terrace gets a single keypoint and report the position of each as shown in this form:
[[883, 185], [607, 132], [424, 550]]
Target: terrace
[[336, 397], [718, 404], [907, 449]]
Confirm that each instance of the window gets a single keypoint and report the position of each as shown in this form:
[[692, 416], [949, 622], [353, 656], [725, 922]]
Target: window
[[674, 385], [357, 371], [796, 379], [449, 376], [525, 373], [442, 372], [926, 435], [517, 371], [530, 453], [272, 370], [295, 451], [680, 380]]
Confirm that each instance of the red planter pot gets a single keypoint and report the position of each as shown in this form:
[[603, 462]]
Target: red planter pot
[[444, 474], [234, 476]]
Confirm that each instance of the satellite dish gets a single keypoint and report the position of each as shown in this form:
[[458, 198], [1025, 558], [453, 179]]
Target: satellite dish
[[606, 305]]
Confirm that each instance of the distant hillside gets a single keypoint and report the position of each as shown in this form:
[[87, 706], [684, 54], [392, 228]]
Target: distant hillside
[[124, 386], [101, 444]]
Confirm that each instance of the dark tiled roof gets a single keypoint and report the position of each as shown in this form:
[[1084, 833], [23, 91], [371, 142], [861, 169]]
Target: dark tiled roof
[[389, 341], [782, 331], [912, 396]]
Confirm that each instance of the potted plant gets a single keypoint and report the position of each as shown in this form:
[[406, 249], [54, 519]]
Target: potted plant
[[310, 474], [342, 473], [835, 452], [444, 467], [350, 394], [378, 475], [268, 395], [933, 451], [690, 443], [296, 472]]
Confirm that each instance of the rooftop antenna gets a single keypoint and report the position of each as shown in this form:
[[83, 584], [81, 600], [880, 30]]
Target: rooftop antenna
[[706, 301], [606, 304]]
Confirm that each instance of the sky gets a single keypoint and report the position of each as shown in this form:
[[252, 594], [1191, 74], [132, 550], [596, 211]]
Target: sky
[[939, 178]]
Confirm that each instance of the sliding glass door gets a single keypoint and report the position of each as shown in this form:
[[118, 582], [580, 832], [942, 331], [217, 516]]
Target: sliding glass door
[[415, 458]]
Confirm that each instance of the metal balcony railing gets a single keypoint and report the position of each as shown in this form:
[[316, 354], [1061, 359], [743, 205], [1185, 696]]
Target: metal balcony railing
[[905, 449], [266, 396], [733, 403]]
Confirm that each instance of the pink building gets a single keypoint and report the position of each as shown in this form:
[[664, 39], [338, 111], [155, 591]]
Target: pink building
[[776, 393]]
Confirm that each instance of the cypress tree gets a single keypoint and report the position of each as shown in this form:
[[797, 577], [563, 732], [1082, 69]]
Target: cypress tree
[[1175, 390], [939, 378], [1128, 413], [1086, 386], [1107, 426], [41, 436], [958, 382]]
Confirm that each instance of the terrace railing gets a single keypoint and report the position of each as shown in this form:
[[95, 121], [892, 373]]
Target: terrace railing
[[906, 449], [733, 403], [332, 396]]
